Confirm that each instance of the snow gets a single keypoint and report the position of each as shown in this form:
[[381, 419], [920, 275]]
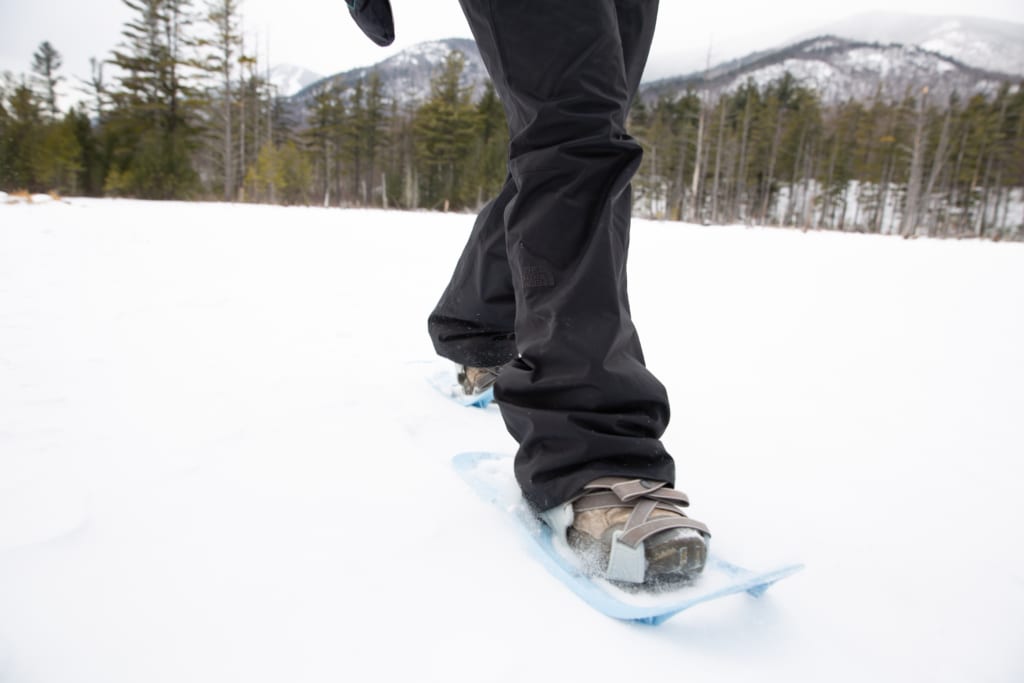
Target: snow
[[220, 459]]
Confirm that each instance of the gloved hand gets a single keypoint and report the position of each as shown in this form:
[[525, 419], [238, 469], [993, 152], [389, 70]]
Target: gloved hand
[[375, 19]]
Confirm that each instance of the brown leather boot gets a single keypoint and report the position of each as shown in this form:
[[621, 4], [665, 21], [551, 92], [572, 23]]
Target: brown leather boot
[[476, 381], [634, 532]]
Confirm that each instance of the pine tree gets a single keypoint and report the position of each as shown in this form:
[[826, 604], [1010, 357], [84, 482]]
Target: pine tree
[[491, 147], [153, 125], [21, 141], [91, 159], [323, 138], [445, 128], [57, 164], [96, 87], [45, 63], [282, 173]]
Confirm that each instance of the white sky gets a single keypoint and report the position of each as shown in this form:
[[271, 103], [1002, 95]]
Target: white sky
[[319, 35]]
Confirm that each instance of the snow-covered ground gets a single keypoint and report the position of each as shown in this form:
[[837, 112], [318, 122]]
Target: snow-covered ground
[[220, 461]]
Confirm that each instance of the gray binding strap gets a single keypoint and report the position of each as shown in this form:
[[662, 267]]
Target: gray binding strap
[[628, 490], [640, 514], [597, 501], [635, 488], [636, 535], [626, 563]]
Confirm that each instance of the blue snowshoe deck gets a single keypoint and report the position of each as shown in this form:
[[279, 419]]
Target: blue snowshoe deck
[[490, 475]]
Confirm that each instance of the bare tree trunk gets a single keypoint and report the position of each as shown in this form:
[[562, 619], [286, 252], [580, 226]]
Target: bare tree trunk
[[680, 175], [718, 162], [982, 221], [828, 206], [809, 216], [912, 207], [224, 15], [955, 185], [844, 206], [412, 200], [878, 219], [741, 175], [695, 188], [789, 218], [769, 178], [937, 163]]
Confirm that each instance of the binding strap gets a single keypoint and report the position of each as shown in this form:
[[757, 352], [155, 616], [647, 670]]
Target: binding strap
[[644, 496]]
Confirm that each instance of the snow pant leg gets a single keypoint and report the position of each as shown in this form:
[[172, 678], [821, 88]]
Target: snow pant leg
[[473, 322], [578, 397]]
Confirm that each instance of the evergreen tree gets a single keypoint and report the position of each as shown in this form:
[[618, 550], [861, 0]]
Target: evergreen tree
[[20, 144], [90, 158], [282, 173], [45, 63], [96, 87], [323, 138], [153, 125], [371, 131], [365, 125], [445, 127], [490, 154], [57, 164]]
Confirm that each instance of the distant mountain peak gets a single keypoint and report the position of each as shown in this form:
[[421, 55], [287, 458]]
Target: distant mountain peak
[[988, 44], [290, 78], [839, 69]]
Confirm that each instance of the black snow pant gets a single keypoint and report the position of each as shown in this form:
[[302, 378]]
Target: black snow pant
[[541, 285]]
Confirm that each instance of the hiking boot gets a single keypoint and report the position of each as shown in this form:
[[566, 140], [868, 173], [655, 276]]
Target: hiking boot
[[476, 381], [634, 532]]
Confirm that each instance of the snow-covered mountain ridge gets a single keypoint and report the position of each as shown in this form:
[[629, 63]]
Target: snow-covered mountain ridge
[[852, 59], [406, 76], [982, 43], [840, 69]]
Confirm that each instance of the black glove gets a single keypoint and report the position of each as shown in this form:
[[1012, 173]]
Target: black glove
[[375, 19]]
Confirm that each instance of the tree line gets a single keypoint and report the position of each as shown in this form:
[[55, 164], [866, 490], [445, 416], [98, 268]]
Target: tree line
[[189, 112], [777, 155]]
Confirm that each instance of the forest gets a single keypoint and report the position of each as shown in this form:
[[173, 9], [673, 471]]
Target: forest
[[182, 109]]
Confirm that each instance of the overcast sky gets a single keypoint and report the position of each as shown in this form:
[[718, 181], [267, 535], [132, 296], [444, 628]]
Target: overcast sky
[[319, 35]]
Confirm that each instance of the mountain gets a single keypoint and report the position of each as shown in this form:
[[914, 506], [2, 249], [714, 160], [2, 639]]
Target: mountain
[[290, 79], [839, 69], [406, 76], [987, 44], [852, 59]]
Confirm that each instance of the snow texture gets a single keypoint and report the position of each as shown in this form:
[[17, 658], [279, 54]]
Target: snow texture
[[220, 459]]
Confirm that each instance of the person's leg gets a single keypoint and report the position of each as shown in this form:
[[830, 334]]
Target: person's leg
[[472, 323], [578, 397]]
